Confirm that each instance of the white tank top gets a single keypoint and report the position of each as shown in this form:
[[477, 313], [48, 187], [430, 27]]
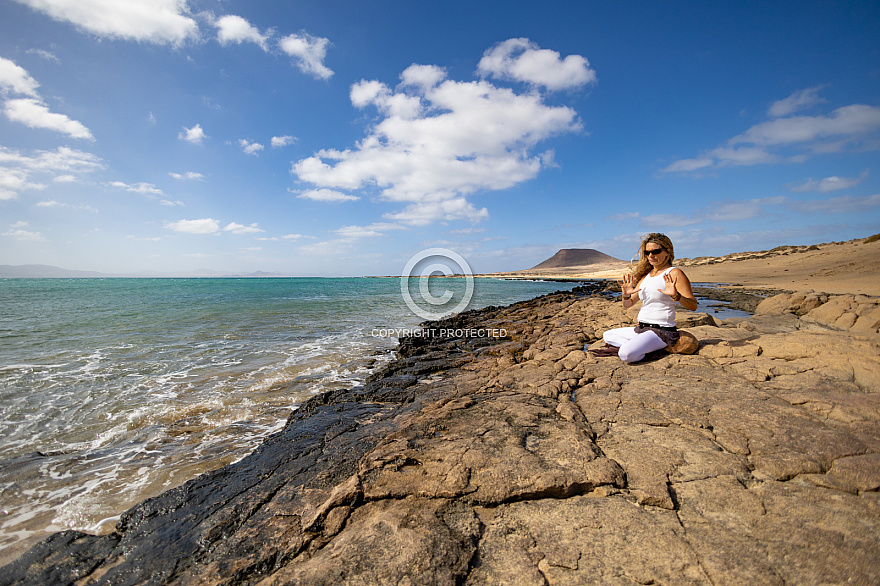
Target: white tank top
[[657, 308]]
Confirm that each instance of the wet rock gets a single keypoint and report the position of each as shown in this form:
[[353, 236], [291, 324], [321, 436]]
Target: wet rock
[[741, 299], [526, 460]]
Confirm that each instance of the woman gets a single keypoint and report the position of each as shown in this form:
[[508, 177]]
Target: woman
[[658, 285]]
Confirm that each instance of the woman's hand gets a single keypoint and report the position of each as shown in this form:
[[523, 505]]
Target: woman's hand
[[626, 286], [670, 286], [678, 286]]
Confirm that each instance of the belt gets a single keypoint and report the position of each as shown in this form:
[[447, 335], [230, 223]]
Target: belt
[[658, 327]]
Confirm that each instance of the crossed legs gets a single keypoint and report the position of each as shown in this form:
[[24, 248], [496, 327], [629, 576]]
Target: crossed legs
[[632, 346]]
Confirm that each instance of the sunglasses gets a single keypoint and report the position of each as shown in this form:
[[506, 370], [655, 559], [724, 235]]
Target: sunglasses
[[654, 251]]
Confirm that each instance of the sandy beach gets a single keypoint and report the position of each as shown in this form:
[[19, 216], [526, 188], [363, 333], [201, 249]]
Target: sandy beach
[[837, 268]]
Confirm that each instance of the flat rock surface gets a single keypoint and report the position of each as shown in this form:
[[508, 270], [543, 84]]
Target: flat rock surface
[[526, 460]]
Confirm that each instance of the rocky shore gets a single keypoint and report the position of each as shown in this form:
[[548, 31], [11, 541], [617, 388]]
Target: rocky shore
[[522, 459]]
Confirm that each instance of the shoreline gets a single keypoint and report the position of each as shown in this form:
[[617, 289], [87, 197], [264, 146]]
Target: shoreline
[[454, 457], [167, 430]]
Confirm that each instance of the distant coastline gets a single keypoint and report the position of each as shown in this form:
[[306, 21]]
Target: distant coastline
[[53, 272], [819, 266], [44, 272]]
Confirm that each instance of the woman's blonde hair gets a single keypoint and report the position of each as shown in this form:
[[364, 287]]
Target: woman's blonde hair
[[643, 267]]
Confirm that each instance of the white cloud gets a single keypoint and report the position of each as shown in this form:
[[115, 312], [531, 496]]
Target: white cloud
[[440, 140], [194, 135], [152, 21], [828, 184], [61, 159], [356, 232], [663, 220], [327, 247], [201, 226], [250, 148], [423, 76], [18, 232], [469, 231], [168, 202], [687, 165], [522, 60], [371, 231], [327, 195], [282, 141], [17, 169], [14, 181], [6, 194], [799, 100], [732, 211], [848, 121], [52, 203], [308, 53], [189, 175], [211, 226], [424, 213], [31, 111], [348, 236], [35, 114], [288, 237], [47, 55], [15, 79], [837, 205], [725, 156], [792, 138], [142, 188], [717, 211], [242, 229], [235, 29]]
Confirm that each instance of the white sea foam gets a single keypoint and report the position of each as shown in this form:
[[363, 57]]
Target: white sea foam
[[117, 390], [32, 367]]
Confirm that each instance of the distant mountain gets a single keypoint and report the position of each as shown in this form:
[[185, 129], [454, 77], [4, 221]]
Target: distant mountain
[[261, 274], [43, 272], [575, 257], [50, 272]]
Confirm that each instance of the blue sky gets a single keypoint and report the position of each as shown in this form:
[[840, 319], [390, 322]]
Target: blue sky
[[342, 138]]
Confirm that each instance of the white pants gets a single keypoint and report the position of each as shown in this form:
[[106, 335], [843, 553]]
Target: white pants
[[633, 346]]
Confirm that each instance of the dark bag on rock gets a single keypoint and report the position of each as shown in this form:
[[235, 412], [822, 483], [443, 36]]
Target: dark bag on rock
[[687, 343]]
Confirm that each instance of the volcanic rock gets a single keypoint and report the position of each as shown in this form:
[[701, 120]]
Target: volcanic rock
[[523, 459]]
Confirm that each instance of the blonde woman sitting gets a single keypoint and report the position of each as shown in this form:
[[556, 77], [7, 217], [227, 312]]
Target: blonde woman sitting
[[659, 286]]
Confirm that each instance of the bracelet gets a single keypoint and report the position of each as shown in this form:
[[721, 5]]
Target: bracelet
[[676, 297]]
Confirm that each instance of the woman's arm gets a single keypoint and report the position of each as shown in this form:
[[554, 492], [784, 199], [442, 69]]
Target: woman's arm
[[678, 286], [630, 300], [630, 294]]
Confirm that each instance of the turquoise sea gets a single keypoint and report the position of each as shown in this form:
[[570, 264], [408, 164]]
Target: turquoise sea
[[115, 390]]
